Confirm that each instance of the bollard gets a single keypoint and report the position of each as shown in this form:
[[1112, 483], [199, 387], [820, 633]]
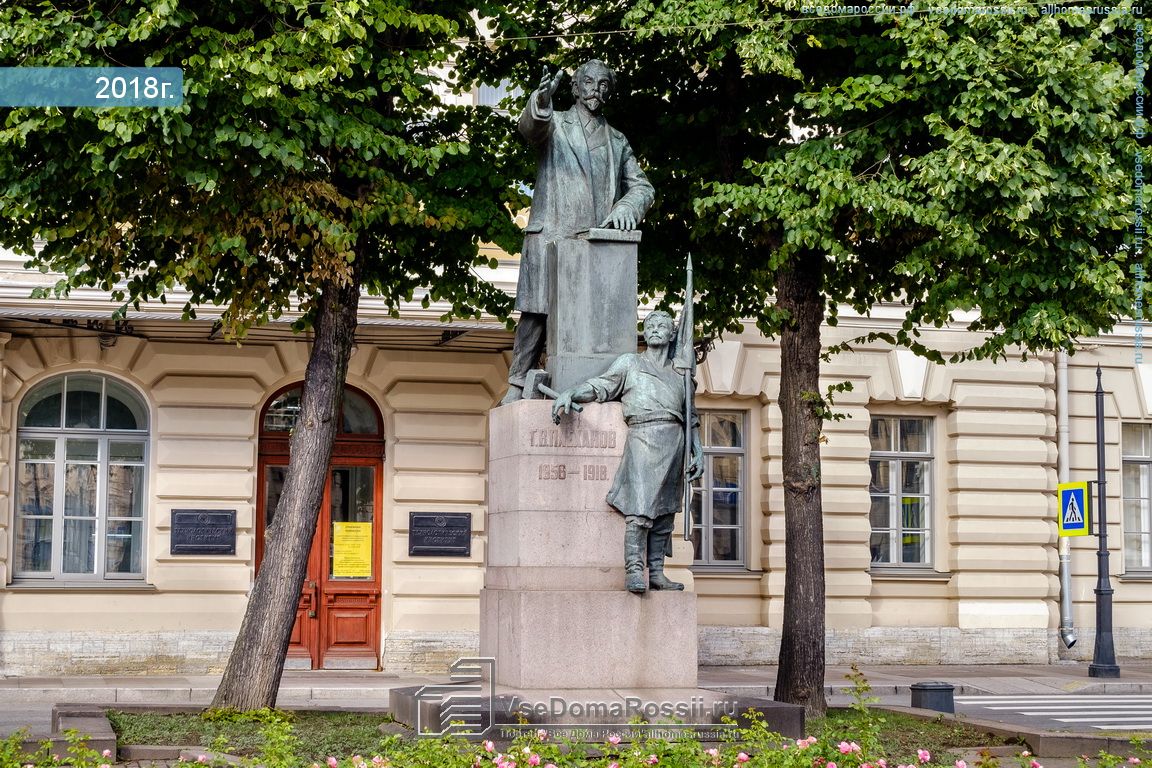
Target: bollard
[[935, 695]]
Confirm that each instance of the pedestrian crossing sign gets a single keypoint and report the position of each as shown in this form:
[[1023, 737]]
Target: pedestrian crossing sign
[[1073, 517]]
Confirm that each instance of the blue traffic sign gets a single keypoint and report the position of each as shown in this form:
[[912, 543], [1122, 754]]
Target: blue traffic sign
[[1073, 518]]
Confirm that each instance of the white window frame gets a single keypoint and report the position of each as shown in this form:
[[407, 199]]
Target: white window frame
[[1143, 529], [703, 490], [895, 496], [104, 438]]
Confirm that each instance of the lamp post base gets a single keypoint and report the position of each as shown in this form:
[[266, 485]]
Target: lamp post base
[[1103, 670]]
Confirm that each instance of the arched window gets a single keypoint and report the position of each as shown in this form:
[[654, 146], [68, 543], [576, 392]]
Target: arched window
[[359, 415], [80, 481]]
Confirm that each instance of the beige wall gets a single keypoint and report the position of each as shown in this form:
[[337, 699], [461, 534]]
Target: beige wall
[[992, 590], [204, 402]]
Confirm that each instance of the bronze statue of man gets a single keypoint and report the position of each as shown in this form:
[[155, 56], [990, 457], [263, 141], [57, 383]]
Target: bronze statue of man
[[586, 176], [649, 485]]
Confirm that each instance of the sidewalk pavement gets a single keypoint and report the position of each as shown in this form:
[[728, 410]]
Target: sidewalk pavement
[[27, 701]]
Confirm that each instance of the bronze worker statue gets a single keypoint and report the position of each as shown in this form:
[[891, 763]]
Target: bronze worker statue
[[586, 177], [649, 486]]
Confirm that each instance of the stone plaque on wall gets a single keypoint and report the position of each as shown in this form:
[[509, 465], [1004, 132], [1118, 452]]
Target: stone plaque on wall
[[203, 532], [440, 534]]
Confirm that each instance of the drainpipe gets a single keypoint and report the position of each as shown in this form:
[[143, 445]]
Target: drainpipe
[[1067, 633]]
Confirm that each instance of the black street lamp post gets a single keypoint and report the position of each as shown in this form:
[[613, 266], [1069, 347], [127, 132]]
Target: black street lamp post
[[1104, 655]]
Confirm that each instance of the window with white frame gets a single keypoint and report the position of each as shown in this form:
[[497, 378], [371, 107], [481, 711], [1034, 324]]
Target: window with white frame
[[80, 481], [718, 500], [1136, 452], [901, 490]]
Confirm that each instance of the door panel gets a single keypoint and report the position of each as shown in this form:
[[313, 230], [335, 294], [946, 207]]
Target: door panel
[[350, 631], [338, 618], [304, 642]]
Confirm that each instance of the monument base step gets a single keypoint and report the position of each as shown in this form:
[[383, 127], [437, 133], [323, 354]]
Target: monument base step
[[563, 639], [587, 714]]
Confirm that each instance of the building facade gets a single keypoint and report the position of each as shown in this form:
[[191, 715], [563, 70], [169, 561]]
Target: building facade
[[132, 455]]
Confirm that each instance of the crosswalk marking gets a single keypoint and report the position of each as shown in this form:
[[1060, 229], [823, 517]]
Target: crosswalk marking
[[1055, 698], [1111, 712]]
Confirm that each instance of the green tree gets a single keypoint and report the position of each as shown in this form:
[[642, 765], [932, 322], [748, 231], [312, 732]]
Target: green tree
[[947, 161], [312, 159]]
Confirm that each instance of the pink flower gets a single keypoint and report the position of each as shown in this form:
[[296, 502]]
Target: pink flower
[[1025, 753], [848, 746], [104, 765], [652, 760], [204, 759], [712, 752], [542, 734], [961, 764], [831, 765], [106, 753], [377, 760], [882, 763], [743, 758], [1035, 764], [489, 746], [534, 759], [613, 765], [924, 755], [865, 765], [1133, 761], [613, 739]]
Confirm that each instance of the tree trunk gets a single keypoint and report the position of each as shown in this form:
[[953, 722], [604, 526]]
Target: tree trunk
[[800, 676], [252, 678]]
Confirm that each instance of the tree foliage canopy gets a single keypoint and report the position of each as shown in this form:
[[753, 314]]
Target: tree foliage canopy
[[949, 161], [312, 141]]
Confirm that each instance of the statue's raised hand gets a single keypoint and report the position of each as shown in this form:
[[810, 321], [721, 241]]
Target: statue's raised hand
[[548, 85]]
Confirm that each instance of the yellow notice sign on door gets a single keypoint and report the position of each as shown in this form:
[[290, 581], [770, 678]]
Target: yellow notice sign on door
[[351, 550]]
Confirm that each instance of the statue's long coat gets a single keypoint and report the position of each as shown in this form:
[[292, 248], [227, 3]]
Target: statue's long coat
[[562, 200], [650, 480]]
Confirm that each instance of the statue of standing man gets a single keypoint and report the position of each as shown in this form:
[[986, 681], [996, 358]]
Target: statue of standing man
[[649, 486], [586, 177]]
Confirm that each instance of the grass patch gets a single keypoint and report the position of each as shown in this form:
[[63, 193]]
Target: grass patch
[[320, 733], [901, 734], [324, 734]]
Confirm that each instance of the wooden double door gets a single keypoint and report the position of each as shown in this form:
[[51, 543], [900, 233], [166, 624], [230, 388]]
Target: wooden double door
[[338, 617]]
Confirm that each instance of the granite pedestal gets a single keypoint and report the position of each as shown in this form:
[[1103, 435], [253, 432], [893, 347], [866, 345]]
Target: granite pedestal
[[553, 611]]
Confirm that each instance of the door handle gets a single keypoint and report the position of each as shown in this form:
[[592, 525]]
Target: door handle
[[315, 599]]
